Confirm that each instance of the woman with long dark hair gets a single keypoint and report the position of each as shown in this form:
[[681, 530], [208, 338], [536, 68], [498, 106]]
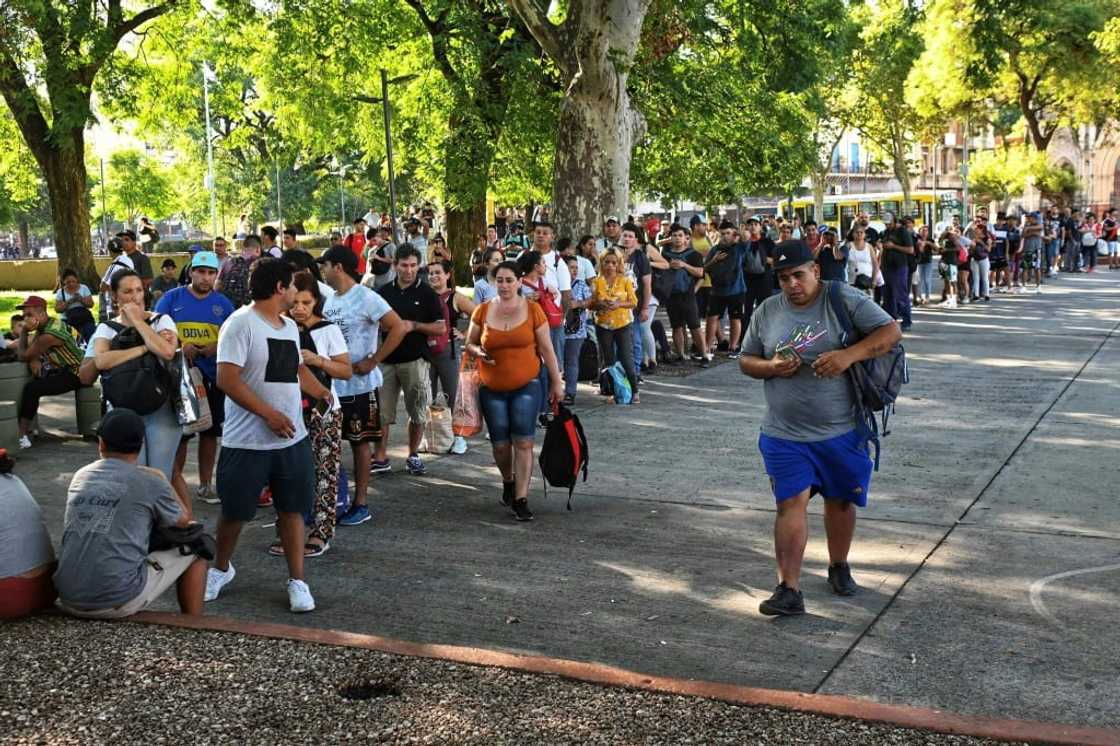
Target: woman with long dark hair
[[444, 358], [325, 354]]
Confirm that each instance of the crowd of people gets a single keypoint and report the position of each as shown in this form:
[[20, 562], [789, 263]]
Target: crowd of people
[[296, 354]]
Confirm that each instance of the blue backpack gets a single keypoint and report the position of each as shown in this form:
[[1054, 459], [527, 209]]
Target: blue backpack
[[876, 382], [613, 382]]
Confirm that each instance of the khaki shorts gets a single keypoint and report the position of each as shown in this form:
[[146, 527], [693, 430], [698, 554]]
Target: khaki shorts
[[412, 380], [164, 569]]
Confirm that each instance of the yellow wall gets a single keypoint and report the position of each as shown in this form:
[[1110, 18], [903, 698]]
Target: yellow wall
[[42, 274]]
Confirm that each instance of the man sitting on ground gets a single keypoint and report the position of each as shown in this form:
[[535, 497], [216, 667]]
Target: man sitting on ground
[[105, 570]]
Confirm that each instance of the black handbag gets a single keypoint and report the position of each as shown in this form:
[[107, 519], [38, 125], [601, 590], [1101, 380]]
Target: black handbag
[[189, 539]]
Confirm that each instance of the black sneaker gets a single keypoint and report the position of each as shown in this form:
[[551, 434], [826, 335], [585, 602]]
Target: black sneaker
[[840, 578], [784, 602], [705, 363], [507, 493], [723, 346], [521, 510]]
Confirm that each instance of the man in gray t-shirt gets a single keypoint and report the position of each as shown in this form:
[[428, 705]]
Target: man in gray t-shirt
[[810, 439], [105, 569]]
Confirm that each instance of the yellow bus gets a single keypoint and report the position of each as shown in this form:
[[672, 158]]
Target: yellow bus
[[926, 207]]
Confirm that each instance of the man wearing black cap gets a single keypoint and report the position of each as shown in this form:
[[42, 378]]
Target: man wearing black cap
[[361, 315], [810, 440], [612, 234], [105, 570]]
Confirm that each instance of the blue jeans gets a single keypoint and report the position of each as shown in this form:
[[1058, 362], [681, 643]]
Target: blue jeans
[[925, 279], [896, 293], [557, 336], [162, 433], [572, 349], [510, 414], [639, 338]]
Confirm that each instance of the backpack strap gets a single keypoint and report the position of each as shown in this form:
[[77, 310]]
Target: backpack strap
[[849, 336]]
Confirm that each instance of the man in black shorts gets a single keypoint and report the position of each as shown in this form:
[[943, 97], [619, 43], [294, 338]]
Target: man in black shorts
[[687, 266], [265, 441], [724, 266]]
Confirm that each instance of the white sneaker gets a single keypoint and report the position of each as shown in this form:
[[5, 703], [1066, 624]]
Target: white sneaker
[[299, 596], [207, 494], [216, 580], [458, 446], [24, 442]]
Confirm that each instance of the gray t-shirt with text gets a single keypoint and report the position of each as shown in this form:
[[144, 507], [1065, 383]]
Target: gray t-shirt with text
[[805, 408], [111, 508]]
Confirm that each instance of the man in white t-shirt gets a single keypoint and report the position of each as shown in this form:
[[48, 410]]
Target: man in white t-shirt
[[360, 314], [558, 278], [264, 440]]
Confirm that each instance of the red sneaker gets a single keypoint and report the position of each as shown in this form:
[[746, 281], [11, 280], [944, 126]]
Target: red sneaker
[[265, 500]]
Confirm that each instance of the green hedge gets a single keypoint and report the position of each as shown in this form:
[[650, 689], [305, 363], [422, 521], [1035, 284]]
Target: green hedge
[[182, 247]]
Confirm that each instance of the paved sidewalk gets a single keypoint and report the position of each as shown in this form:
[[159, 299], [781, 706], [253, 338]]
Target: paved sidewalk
[[995, 489]]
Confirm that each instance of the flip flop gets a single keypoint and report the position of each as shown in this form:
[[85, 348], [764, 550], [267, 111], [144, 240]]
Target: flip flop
[[276, 549]]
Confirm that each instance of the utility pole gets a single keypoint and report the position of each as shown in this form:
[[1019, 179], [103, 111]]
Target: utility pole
[[207, 75], [964, 175], [279, 212], [389, 152], [104, 216]]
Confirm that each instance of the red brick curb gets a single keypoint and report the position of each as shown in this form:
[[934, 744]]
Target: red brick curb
[[597, 673]]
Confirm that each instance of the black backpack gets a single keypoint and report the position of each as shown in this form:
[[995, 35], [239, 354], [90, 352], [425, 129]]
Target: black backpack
[[235, 284], [142, 385], [564, 453], [876, 382], [724, 271], [307, 342]]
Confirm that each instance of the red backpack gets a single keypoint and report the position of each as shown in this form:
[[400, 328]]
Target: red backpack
[[564, 453], [552, 310]]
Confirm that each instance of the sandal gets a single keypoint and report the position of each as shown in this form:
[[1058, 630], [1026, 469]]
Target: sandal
[[311, 549], [276, 549]]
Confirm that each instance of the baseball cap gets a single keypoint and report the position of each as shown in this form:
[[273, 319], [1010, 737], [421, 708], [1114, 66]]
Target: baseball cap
[[611, 219], [127, 234], [33, 301], [194, 248], [792, 254], [753, 219], [695, 220], [206, 259], [122, 430], [339, 254]]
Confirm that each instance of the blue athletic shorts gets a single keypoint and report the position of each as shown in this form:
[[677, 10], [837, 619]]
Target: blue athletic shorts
[[838, 468]]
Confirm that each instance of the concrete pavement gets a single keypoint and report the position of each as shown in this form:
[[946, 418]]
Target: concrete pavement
[[986, 555]]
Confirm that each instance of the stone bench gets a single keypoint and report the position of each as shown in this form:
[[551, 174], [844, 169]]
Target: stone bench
[[87, 405]]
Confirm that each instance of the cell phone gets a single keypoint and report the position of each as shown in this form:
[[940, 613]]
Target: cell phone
[[788, 353]]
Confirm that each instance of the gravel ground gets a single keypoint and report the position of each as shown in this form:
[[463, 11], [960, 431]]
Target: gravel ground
[[69, 682]]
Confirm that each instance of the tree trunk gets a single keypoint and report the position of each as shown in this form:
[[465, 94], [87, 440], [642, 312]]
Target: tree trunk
[[24, 237], [818, 181], [594, 47], [64, 169], [591, 175], [463, 226]]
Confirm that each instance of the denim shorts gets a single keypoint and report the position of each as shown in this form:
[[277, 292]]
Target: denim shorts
[[838, 468], [511, 414]]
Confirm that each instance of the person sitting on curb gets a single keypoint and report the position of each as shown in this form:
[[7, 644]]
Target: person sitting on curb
[[52, 355], [26, 554], [105, 570]]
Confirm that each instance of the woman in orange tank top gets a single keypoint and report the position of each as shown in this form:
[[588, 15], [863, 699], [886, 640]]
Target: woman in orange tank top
[[510, 337]]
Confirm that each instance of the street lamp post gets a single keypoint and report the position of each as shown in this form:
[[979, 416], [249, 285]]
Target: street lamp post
[[386, 112], [207, 77]]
